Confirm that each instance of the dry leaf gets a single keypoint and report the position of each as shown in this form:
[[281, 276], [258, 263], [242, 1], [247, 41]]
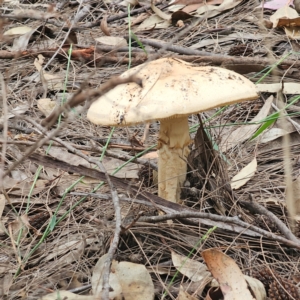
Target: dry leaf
[[256, 287], [112, 41], [20, 224], [46, 106], [59, 295], [287, 18], [186, 2], [192, 7], [293, 32], [152, 22], [20, 188], [128, 171], [42, 32], [139, 19], [160, 13], [127, 280], [18, 174], [22, 137], [104, 26], [38, 62], [135, 280], [295, 22], [97, 280], [194, 270], [18, 30], [272, 134], [19, 110], [29, 13], [212, 11], [196, 289], [244, 175], [246, 131], [176, 7], [109, 163], [66, 180], [5, 284], [228, 274], [184, 295], [63, 154], [288, 87], [73, 255], [285, 12], [68, 251], [54, 82]]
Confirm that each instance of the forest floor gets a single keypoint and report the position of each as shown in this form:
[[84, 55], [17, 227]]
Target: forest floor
[[240, 204]]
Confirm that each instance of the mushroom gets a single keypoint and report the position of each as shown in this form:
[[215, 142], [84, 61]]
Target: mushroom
[[172, 90]]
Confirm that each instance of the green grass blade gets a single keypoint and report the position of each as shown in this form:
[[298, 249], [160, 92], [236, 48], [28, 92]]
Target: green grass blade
[[139, 42], [270, 121]]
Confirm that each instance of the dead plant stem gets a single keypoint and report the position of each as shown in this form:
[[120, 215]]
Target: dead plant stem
[[225, 219], [5, 124], [290, 201], [256, 208]]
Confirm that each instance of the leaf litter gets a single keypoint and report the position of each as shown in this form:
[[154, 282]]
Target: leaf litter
[[66, 259]]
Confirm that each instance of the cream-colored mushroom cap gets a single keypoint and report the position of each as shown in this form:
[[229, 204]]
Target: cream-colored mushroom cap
[[171, 88]]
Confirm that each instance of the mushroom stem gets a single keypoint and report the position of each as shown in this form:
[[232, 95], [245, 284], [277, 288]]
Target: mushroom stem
[[173, 142]]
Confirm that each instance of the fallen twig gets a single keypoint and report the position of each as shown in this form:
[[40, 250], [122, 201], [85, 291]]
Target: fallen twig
[[175, 48], [166, 206], [119, 155], [225, 219], [106, 48], [258, 209], [125, 227], [88, 55], [30, 14]]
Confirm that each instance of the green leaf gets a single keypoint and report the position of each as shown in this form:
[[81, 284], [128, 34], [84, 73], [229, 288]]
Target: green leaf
[[139, 42], [52, 223], [269, 121]]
